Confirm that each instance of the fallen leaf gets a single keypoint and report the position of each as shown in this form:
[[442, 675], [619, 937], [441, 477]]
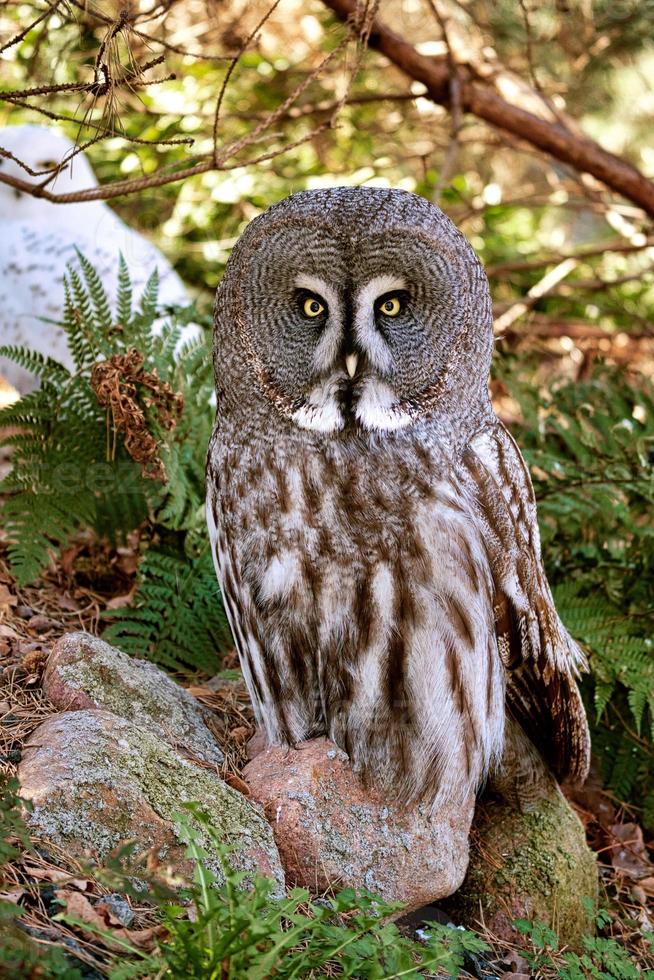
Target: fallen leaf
[[515, 963], [14, 895], [67, 558], [144, 938], [7, 598], [120, 601], [240, 734], [628, 852], [57, 876], [68, 603], [78, 907]]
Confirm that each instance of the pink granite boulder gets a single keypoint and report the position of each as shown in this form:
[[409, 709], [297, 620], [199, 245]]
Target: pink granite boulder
[[333, 832]]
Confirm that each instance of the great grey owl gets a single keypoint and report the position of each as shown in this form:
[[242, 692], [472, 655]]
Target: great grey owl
[[373, 523], [38, 240]]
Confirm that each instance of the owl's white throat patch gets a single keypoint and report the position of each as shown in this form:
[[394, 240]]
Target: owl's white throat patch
[[321, 411], [377, 408]]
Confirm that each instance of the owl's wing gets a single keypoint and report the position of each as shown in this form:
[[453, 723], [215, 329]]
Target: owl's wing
[[540, 657]]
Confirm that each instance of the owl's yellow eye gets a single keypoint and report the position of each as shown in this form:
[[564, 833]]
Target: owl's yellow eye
[[390, 306], [312, 307]]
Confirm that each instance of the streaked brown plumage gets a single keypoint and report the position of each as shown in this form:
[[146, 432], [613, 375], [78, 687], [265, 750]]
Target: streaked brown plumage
[[373, 524]]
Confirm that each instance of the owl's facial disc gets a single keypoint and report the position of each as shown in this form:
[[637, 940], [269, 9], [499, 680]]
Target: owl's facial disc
[[352, 361], [350, 332]]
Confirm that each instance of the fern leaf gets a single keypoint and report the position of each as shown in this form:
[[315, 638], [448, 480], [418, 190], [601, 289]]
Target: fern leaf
[[124, 295]]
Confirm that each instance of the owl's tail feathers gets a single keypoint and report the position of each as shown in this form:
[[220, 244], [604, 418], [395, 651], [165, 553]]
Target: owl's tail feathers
[[543, 697]]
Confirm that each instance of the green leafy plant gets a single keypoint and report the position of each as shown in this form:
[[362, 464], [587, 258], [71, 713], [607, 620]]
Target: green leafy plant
[[235, 932], [590, 445], [116, 444], [599, 959], [175, 611]]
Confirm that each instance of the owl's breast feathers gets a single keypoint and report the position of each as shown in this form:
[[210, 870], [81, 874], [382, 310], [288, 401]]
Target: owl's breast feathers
[[366, 592]]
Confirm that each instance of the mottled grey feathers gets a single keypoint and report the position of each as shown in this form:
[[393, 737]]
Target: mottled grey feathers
[[374, 530]]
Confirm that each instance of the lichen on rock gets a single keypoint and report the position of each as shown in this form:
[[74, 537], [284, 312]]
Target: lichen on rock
[[532, 864], [85, 672], [96, 780]]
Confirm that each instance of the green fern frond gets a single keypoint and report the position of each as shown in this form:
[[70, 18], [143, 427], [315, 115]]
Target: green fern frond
[[150, 296], [177, 618], [124, 294], [101, 312], [78, 322], [36, 363], [70, 471]]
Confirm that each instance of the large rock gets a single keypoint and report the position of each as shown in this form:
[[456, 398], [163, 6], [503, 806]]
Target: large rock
[[332, 832], [528, 858], [85, 672], [96, 780]]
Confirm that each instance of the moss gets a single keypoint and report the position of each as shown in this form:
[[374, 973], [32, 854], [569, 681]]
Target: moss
[[113, 765], [138, 691], [533, 865]]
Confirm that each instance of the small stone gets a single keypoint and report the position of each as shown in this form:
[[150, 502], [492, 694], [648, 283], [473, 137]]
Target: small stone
[[96, 780], [117, 909], [85, 672], [43, 624], [333, 832]]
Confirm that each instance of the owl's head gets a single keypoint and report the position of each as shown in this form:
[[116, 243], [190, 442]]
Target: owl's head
[[355, 309], [41, 149]]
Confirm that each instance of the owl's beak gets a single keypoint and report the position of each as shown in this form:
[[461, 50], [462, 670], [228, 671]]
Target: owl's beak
[[351, 361]]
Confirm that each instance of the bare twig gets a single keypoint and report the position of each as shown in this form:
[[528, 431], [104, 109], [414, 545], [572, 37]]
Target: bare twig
[[17, 38], [537, 291], [230, 71], [110, 75], [617, 245]]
